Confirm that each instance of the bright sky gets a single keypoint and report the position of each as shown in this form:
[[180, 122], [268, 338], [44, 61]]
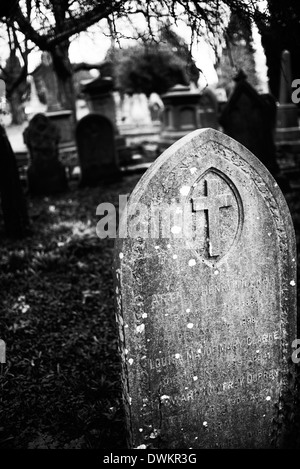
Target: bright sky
[[92, 46]]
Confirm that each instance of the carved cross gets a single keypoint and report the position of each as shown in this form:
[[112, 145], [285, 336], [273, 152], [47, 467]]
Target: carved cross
[[212, 204]]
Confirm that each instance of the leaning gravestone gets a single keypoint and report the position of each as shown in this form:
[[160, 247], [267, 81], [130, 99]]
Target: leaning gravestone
[[96, 150], [205, 278], [46, 174]]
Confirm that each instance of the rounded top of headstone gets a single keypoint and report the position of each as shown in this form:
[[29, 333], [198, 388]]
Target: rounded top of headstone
[[180, 88], [180, 91], [99, 84]]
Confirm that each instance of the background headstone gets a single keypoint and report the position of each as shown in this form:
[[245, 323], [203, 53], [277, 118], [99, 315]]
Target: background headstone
[[46, 174], [207, 310], [13, 202], [96, 150], [209, 109], [181, 114], [250, 118]]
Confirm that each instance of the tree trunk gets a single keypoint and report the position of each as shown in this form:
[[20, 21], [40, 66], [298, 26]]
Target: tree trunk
[[63, 69], [16, 108]]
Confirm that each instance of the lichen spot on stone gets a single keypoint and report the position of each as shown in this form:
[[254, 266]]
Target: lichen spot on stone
[[175, 229], [184, 190], [140, 328], [192, 262]]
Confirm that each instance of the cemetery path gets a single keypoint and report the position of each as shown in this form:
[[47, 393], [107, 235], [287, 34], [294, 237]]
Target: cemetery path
[[60, 387]]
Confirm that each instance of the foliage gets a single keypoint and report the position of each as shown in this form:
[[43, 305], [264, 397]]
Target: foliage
[[60, 387], [153, 67], [237, 54], [281, 31], [50, 25]]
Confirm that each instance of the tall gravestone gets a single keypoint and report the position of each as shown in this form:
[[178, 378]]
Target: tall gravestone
[[287, 126], [205, 284], [250, 119], [46, 174], [96, 150]]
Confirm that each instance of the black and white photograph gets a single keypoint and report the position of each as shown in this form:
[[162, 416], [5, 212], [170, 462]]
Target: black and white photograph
[[149, 228]]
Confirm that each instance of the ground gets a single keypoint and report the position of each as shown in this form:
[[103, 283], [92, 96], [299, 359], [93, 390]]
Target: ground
[[60, 387]]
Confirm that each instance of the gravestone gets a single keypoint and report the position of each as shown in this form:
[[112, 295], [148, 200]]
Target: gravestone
[[250, 118], [96, 150], [46, 174], [287, 127], [209, 109], [13, 202], [46, 73], [181, 114], [99, 97], [205, 284], [287, 134]]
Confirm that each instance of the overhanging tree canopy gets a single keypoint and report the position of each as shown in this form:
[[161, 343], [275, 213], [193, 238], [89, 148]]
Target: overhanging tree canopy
[[50, 24]]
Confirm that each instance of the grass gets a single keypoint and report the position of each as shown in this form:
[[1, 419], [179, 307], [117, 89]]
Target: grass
[[60, 386]]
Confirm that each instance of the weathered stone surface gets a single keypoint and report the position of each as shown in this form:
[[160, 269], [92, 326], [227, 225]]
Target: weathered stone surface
[[207, 321], [96, 150]]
